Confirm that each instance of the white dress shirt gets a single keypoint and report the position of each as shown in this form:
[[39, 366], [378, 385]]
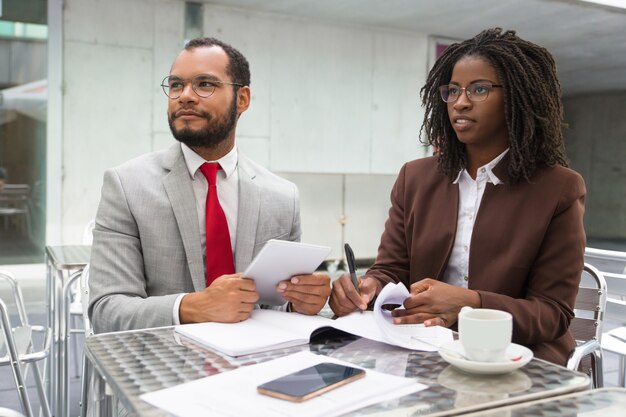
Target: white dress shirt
[[227, 192], [470, 195]]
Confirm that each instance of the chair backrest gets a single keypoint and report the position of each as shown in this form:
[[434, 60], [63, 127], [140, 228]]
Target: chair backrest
[[19, 343], [14, 193], [590, 306], [613, 266], [84, 298], [18, 299], [616, 298], [18, 189], [606, 260], [88, 232]]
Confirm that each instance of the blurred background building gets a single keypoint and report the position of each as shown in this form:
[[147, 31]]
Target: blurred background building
[[335, 101]]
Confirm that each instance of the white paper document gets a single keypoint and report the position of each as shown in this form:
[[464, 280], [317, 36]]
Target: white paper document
[[264, 330], [267, 330], [234, 393], [410, 336]]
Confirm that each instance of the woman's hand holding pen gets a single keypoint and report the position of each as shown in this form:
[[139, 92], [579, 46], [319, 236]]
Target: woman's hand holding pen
[[345, 299]]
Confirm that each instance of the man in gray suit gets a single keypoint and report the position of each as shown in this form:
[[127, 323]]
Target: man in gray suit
[[149, 256]]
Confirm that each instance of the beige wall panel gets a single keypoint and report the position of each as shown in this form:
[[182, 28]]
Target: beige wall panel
[[320, 209], [255, 148], [169, 18], [367, 207], [248, 32], [162, 140], [105, 122], [113, 22], [321, 97], [399, 66]]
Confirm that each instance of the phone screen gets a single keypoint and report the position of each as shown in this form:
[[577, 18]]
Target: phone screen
[[310, 382]]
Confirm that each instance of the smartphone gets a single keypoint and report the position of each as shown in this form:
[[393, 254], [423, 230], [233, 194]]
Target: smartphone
[[310, 382]]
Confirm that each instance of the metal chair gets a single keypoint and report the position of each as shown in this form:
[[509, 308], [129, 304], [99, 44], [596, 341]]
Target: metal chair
[[20, 348], [76, 306], [587, 325], [15, 202], [87, 378], [613, 266], [606, 260], [96, 399], [614, 341]]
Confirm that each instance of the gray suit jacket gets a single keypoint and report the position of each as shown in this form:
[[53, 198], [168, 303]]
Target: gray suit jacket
[[146, 243]]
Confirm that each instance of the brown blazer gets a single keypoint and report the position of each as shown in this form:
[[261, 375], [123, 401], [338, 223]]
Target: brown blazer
[[526, 253]]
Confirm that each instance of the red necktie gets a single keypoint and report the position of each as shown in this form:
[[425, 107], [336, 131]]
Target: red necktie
[[219, 255]]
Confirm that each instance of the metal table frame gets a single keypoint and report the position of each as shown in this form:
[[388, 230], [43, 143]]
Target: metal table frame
[[135, 362], [61, 263]]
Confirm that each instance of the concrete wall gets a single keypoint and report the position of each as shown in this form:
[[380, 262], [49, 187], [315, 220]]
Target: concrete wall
[[334, 108], [596, 146]]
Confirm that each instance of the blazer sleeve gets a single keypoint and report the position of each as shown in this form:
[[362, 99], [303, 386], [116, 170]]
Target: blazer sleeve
[[546, 310], [118, 298], [296, 231]]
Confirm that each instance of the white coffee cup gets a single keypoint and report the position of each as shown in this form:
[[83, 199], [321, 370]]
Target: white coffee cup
[[485, 334]]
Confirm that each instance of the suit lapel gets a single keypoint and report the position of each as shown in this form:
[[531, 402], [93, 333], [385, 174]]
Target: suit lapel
[[247, 216], [178, 188]]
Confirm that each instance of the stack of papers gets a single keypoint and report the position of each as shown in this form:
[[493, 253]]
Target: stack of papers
[[234, 393]]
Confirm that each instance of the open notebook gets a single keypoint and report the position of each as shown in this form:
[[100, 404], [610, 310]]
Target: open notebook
[[269, 329]]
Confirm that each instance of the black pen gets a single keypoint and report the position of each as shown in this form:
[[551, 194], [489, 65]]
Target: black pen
[[350, 261]]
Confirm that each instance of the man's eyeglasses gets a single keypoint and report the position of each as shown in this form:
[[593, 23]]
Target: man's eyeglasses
[[203, 85], [478, 91]]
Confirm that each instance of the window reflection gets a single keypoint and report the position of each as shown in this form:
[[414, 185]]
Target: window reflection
[[23, 103]]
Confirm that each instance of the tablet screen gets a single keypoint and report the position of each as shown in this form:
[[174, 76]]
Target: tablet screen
[[279, 260]]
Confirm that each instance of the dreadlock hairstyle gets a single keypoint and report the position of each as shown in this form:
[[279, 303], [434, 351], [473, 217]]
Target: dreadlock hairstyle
[[532, 101]]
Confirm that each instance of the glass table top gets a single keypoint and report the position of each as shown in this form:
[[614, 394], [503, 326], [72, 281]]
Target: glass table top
[[68, 256], [605, 402], [137, 362]]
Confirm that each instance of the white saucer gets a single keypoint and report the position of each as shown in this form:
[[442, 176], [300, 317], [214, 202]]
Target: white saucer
[[486, 368]]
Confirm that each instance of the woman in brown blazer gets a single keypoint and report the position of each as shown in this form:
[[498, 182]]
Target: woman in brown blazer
[[495, 220]]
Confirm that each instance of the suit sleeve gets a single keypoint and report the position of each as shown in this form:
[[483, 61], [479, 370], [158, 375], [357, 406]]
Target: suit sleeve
[[118, 298], [546, 310], [296, 231]]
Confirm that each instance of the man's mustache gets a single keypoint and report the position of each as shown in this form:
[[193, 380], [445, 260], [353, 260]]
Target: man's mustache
[[189, 112]]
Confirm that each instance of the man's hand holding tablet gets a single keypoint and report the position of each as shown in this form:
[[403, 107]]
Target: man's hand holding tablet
[[283, 271]]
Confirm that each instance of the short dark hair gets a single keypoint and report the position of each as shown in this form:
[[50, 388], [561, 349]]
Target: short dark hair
[[238, 68], [532, 103]]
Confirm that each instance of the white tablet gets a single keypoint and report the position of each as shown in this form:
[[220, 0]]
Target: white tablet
[[279, 260]]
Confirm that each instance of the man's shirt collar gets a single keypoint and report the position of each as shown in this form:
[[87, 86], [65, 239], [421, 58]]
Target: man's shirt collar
[[228, 162]]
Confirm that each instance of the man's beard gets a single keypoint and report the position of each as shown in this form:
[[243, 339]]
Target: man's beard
[[213, 133]]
